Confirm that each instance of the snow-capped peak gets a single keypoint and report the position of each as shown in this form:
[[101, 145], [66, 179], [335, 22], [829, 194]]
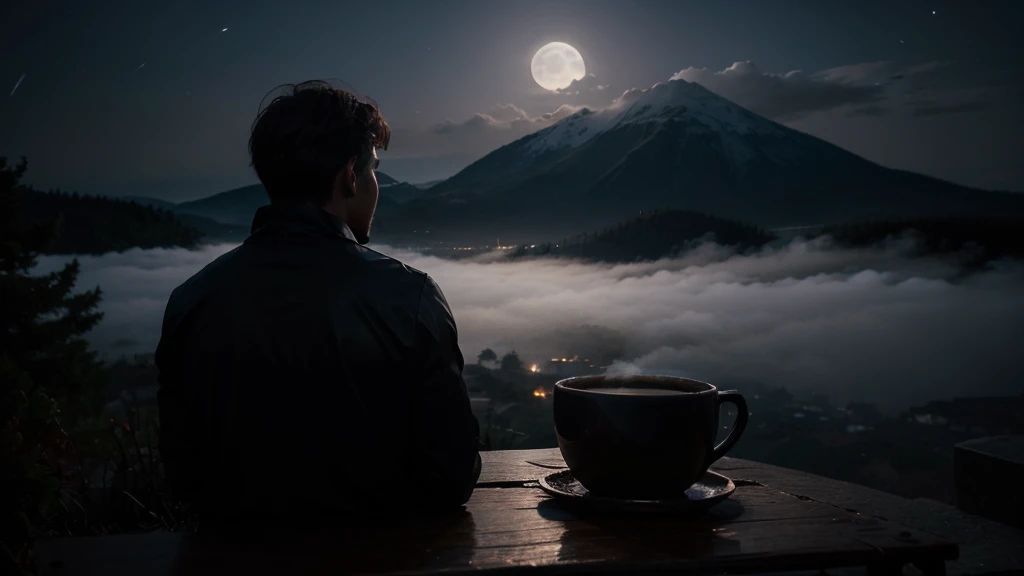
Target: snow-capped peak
[[571, 131], [679, 98], [672, 100]]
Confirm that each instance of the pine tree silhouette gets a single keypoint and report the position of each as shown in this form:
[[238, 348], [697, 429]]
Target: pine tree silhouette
[[52, 382]]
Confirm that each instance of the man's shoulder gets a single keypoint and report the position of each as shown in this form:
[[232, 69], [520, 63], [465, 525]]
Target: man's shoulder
[[195, 282], [387, 263], [383, 263], [345, 257], [396, 273]]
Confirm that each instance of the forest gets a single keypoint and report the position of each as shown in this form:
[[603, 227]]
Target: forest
[[978, 240], [98, 224], [668, 232], [657, 234]]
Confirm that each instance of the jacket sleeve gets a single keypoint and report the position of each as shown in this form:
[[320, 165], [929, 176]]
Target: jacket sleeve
[[446, 434], [178, 445]]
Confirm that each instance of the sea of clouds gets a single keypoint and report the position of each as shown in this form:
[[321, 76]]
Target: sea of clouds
[[869, 324]]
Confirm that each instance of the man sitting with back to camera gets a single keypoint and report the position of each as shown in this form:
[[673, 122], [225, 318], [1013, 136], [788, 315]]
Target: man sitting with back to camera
[[302, 375]]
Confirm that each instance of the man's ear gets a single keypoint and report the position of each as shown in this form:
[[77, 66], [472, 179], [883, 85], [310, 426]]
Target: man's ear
[[347, 179]]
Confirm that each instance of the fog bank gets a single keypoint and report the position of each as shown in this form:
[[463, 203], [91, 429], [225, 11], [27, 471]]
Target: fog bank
[[871, 325]]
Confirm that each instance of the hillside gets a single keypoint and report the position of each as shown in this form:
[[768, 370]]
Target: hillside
[[973, 242], [232, 207], [383, 180], [149, 201], [213, 231], [651, 236], [978, 240], [678, 144], [210, 229], [96, 224], [238, 206], [401, 192]]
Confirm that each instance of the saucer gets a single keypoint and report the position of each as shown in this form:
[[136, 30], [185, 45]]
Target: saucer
[[711, 489]]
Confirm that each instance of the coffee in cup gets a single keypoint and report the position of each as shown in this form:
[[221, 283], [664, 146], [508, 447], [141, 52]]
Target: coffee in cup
[[641, 437]]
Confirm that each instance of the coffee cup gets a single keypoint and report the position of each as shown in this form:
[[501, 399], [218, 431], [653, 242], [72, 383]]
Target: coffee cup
[[641, 437]]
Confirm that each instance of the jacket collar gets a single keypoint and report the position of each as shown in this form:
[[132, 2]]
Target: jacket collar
[[299, 219]]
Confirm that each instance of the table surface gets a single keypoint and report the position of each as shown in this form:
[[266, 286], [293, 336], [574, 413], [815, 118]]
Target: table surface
[[778, 519]]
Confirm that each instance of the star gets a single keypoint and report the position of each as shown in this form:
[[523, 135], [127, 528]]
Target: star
[[16, 84], [933, 12]]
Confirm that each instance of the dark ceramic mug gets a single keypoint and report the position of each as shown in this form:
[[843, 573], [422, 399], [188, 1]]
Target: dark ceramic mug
[[641, 445]]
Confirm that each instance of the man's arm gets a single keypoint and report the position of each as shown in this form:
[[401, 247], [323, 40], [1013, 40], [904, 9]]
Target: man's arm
[[446, 435], [177, 444]]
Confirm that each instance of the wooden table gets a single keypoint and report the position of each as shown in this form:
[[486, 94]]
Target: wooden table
[[777, 520], [981, 467]]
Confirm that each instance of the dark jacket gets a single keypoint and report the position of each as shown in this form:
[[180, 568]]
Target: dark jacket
[[304, 376]]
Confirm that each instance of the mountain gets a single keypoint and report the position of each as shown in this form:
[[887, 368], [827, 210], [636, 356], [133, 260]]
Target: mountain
[[400, 192], [383, 180], [682, 146], [232, 207], [428, 184]]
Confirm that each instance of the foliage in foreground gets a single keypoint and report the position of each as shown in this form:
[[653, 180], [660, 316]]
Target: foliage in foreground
[[64, 469]]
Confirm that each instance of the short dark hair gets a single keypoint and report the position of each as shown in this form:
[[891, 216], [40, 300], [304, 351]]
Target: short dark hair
[[303, 138]]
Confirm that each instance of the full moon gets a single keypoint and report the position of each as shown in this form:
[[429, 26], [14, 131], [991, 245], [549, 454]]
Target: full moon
[[556, 65]]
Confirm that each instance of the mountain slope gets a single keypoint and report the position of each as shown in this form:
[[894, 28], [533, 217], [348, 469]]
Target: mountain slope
[[398, 191], [232, 207], [680, 145], [148, 201], [237, 207], [383, 180], [650, 236]]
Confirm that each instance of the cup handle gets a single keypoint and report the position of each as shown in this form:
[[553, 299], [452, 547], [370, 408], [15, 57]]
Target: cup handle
[[733, 397]]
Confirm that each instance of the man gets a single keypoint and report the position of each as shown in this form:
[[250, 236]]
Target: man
[[304, 376]]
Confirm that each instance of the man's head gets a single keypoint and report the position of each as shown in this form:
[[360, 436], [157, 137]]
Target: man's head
[[317, 144]]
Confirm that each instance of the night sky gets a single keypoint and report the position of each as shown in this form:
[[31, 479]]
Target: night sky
[[156, 99]]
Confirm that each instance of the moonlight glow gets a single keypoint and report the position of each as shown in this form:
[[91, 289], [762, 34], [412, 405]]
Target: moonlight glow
[[556, 65]]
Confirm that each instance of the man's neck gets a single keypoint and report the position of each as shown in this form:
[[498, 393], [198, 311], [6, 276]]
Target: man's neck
[[335, 210]]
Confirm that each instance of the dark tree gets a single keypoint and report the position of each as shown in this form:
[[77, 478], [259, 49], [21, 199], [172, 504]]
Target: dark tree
[[52, 382], [486, 355], [977, 240], [511, 362]]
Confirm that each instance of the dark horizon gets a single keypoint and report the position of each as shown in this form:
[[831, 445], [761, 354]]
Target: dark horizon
[[157, 101]]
